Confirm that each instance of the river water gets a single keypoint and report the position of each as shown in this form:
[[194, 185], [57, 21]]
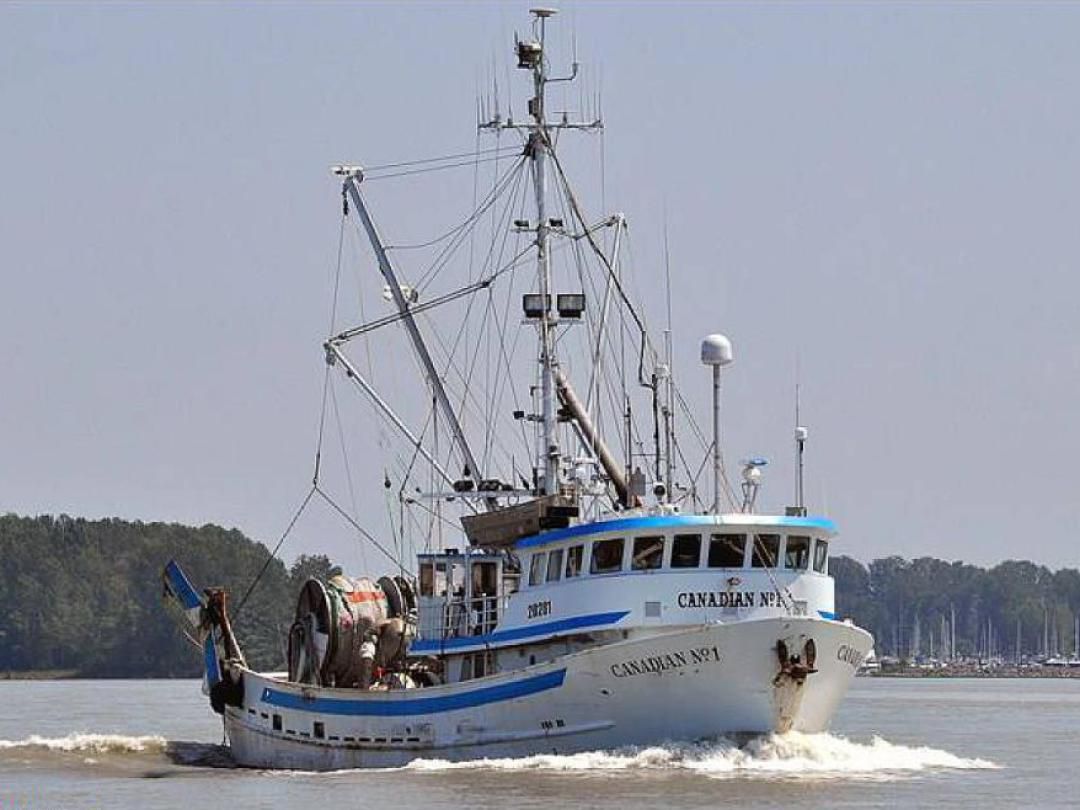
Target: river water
[[910, 743]]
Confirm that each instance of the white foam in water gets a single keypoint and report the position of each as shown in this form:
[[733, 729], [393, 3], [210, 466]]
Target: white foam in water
[[792, 754], [89, 743]]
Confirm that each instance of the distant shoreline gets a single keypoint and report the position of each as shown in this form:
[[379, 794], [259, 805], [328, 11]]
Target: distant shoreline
[[40, 675], [75, 675], [973, 672]]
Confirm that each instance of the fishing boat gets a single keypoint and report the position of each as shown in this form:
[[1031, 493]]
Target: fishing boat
[[598, 595]]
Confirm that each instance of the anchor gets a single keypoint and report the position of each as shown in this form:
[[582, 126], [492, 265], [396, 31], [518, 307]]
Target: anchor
[[792, 664]]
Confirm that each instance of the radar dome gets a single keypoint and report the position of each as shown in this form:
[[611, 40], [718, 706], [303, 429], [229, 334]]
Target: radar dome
[[716, 351]]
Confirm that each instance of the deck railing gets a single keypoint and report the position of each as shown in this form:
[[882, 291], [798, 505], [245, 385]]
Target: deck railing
[[460, 617]]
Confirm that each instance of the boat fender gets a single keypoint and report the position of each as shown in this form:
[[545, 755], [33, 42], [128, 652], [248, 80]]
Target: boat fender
[[227, 692]]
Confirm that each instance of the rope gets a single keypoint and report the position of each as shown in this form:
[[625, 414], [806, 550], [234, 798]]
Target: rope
[[273, 554], [354, 524], [422, 161], [478, 211], [408, 172]]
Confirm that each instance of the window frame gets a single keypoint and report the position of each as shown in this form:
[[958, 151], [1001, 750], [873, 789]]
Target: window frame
[[647, 538], [683, 536], [822, 544], [580, 555], [759, 541], [537, 568], [809, 552], [553, 555], [605, 542], [717, 536]]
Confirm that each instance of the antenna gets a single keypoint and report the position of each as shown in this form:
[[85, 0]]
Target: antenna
[[800, 447], [669, 377], [716, 352]]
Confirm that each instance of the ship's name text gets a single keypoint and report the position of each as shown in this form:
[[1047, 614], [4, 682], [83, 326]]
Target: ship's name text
[[850, 655], [728, 599], [656, 664]]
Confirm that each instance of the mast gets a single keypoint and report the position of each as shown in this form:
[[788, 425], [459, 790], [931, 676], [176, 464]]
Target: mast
[[537, 149]]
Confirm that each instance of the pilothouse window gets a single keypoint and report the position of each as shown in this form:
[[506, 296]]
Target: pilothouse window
[[727, 550], [797, 552], [686, 551], [821, 556], [574, 555], [766, 550], [485, 579], [648, 553], [554, 568], [536, 568], [606, 556], [432, 579], [427, 579]]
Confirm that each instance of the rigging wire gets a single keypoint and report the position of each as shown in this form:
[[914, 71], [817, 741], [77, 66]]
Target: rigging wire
[[422, 161], [370, 538], [348, 467], [444, 167], [478, 211], [416, 309], [511, 176], [273, 554], [333, 321], [645, 344]]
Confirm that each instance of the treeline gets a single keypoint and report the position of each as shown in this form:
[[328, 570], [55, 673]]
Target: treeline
[[929, 608], [84, 596]]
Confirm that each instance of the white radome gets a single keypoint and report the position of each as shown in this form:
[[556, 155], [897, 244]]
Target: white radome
[[716, 351]]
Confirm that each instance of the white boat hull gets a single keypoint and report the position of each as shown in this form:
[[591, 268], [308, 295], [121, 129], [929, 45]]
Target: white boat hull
[[694, 683]]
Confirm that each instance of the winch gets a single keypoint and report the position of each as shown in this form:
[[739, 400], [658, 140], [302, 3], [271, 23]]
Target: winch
[[347, 629]]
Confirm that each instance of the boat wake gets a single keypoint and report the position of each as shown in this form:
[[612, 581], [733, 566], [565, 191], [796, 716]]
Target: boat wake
[[794, 755], [96, 748]]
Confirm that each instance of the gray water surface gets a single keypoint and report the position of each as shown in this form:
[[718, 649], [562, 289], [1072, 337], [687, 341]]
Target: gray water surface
[[959, 743]]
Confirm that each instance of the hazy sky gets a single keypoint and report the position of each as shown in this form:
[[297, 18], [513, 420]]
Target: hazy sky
[[888, 193]]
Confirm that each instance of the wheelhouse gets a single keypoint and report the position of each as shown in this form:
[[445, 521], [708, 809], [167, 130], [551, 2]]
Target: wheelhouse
[[678, 545]]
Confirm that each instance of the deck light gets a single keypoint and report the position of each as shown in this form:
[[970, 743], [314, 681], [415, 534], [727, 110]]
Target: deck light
[[535, 304], [570, 305]]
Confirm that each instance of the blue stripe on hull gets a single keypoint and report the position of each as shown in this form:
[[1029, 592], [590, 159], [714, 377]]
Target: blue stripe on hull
[[592, 620], [379, 707]]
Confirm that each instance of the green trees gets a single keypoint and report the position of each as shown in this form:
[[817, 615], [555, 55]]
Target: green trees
[[85, 596], [928, 607]]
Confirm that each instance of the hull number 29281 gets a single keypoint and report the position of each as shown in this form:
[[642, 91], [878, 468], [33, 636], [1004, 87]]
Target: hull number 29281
[[538, 609]]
